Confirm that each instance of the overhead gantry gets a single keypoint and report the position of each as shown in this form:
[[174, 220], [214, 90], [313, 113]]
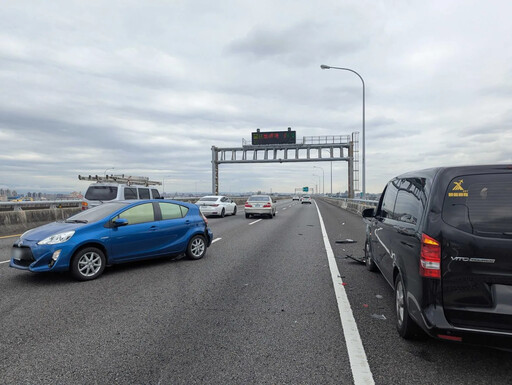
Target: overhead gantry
[[339, 148]]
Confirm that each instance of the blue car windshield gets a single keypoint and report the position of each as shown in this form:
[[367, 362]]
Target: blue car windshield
[[97, 213]]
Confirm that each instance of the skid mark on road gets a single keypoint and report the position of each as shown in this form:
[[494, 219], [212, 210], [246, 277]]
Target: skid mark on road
[[356, 354]]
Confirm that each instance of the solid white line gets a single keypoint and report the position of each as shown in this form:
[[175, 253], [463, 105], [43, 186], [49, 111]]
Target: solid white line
[[252, 223], [4, 261], [284, 209], [356, 354], [215, 240]]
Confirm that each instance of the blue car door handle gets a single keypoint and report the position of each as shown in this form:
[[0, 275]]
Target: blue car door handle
[[153, 228]]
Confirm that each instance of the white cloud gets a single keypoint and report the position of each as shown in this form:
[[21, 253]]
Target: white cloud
[[148, 88]]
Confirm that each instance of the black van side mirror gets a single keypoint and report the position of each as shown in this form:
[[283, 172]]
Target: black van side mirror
[[369, 213]]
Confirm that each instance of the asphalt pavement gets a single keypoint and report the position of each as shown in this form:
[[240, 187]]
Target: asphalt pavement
[[259, 308]]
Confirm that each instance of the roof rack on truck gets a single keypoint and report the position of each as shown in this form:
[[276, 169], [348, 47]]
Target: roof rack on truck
[[129, 180]]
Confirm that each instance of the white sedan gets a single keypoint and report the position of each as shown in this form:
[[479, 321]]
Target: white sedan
[[216, 205]]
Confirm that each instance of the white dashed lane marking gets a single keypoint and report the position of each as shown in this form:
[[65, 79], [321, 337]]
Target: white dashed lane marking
[[252, 223]]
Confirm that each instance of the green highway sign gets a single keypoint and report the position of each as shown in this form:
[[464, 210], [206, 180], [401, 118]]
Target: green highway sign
[[305, 189]]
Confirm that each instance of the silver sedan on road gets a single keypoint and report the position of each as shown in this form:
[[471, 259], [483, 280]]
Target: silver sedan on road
[[260, 205], [216, 205]]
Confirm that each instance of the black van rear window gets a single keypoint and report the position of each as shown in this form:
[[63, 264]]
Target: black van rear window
[[480, 204], [101, 193]]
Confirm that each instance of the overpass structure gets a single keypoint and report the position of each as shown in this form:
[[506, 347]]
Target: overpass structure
[[312, 149]]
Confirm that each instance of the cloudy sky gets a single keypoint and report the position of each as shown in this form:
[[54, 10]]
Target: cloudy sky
[[147, 87]]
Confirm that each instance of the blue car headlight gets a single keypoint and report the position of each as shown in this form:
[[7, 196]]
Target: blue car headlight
[[56, 238]]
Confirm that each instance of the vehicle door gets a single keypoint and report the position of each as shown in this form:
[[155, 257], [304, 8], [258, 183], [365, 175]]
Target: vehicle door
[[130, 193], [224, 202], [406, 245], [144, 193], [476, 254], [137, 238], [174, 227], [230, 205], [155, 194], [233, 205], [383, 231]]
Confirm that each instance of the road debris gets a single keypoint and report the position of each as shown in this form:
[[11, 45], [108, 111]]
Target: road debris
[[379, 316], [345, 241]]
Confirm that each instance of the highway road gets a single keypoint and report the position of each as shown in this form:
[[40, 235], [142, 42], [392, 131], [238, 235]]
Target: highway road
[[260, 308]]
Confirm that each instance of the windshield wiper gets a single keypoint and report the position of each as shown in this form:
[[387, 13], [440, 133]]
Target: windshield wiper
[[76, 221]]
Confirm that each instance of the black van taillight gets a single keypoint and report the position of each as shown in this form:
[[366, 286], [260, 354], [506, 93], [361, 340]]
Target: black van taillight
[[430, 258]]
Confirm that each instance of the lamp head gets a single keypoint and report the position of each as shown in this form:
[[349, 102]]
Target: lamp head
[[325, 67]]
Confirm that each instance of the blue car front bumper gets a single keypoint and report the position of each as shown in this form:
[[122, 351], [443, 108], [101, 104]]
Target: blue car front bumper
[[38, 258]]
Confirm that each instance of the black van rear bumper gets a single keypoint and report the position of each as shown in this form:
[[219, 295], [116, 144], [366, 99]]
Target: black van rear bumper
[[433, 321]]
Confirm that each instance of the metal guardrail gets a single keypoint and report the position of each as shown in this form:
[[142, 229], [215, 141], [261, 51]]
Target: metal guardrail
[[38, 205], [366, 202], [354, 205]]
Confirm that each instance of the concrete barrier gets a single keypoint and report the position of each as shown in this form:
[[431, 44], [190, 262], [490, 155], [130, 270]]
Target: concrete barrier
[[16, 222]]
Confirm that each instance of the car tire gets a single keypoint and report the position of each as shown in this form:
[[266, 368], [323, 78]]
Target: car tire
[[88, 263], [405, 325], [271, 216], [223, 213], [368, 260], [247, 216], [196, 248], [234, 211]]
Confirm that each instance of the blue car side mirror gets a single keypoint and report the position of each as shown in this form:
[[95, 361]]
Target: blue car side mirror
[[120, 222]]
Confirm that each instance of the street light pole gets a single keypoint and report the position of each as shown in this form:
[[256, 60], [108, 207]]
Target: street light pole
[[105, 172], [323, 178], [318, 182], [326, 67]]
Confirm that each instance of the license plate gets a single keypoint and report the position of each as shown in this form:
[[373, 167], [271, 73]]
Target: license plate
[[257, 205], [17, 253]]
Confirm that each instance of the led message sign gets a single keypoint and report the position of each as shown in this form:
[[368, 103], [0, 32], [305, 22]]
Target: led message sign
[[273, 137]]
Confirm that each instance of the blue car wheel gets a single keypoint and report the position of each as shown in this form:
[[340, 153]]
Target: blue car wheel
[[88, 264], [196, 247]]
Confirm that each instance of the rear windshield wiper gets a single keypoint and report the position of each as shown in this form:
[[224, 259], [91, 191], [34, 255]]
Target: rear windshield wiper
[[76, 221]]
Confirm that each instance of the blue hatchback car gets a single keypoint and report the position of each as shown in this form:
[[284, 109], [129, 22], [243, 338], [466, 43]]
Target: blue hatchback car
[[112, 233]]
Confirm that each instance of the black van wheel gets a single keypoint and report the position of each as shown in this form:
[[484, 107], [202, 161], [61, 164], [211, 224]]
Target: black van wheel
[[370, 264], [405, 325]]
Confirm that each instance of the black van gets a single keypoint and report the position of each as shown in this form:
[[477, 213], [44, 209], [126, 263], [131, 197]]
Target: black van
[[442, 238]]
